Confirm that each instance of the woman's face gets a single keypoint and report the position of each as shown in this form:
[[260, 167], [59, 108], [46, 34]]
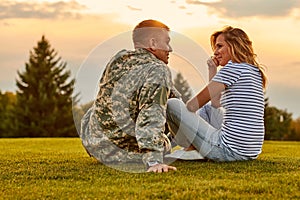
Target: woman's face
[[222, 50]]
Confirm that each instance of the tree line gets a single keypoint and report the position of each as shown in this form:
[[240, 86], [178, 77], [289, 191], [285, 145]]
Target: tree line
[[45, 104]]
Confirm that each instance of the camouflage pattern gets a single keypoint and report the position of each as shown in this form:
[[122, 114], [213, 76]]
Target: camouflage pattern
[[127, 121]]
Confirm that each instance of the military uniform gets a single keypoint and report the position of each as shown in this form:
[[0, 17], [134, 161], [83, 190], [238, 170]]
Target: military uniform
[[127, 121]]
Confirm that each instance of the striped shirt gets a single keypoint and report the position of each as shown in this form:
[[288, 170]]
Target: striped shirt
[[243, 99]]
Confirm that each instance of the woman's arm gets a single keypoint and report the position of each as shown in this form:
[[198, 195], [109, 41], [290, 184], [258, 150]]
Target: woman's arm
[[211, 91], [212, 64]]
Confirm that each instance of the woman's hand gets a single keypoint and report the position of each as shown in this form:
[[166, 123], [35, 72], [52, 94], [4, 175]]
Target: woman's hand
[[212, 62]]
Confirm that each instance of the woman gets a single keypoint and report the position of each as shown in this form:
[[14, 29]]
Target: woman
[[232, 128]]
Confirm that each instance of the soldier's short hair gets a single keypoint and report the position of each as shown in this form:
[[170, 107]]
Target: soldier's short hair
[[146, 29]]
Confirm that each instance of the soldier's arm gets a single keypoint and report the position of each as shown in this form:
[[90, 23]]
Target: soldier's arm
[[151, 120]]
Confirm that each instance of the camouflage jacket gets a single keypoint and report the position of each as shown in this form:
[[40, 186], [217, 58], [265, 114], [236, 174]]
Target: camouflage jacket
[[127, 120]]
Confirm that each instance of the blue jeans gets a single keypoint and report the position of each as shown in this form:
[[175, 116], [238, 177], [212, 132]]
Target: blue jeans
[[201, 129]]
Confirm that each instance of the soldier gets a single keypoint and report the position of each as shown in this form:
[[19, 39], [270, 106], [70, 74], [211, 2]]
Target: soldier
[[127, 120]]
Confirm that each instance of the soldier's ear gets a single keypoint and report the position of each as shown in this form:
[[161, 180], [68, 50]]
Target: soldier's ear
[[153, 44]]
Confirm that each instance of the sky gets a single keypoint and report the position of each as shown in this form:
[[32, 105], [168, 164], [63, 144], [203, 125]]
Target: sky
[[86, 33]]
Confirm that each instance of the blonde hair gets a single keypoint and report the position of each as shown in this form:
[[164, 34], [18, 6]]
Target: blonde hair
[[240, 48]]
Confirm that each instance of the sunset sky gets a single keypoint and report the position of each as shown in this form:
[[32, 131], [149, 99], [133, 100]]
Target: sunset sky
[[86, 33]]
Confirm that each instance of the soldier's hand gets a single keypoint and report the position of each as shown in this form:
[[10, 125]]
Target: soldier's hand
[[159, 168]]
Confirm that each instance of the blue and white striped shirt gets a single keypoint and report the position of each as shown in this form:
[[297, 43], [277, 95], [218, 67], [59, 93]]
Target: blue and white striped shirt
[[243, 100]]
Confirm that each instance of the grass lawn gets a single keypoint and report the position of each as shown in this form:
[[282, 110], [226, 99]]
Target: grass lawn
[[59, 168]]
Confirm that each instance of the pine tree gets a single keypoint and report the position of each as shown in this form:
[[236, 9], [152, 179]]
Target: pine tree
[[183, 87], [44, 95]]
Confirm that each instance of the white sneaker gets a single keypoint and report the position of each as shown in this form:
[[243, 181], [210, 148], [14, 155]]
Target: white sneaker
[[185, 155]]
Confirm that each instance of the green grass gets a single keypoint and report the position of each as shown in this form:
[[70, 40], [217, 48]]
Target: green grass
[[60, 169]]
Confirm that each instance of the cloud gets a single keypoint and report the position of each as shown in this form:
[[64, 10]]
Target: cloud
[[238, 9], [6, 24], [296, 64], [45, 10], [134, 9]]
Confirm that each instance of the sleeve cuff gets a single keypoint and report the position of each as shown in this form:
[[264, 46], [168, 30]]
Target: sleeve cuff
[[153, 156]]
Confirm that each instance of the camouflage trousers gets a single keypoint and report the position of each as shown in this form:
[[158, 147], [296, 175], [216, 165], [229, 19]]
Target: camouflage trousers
[[99, 146]]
